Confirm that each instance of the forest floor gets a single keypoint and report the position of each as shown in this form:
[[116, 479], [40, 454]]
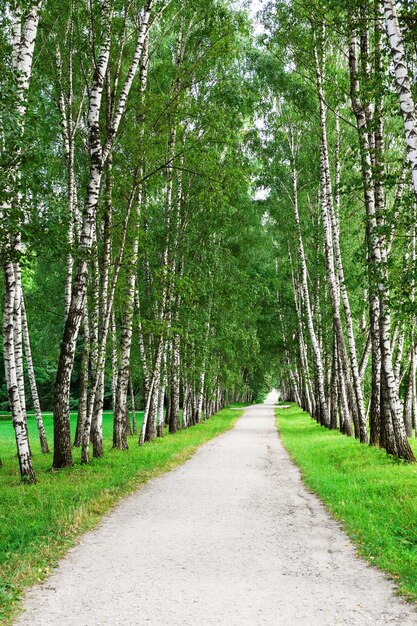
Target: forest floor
[[39, 523], [371, 493], [231, 537]]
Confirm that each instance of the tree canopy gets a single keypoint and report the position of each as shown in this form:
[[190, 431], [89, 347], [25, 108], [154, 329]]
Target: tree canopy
[[192, 213]]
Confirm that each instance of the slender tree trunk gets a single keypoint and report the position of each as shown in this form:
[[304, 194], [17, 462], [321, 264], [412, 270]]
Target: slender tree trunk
[[95, 430], [32, 381], [98, 380], [408, 403], [62, 435], [345, 418], [119, 433], [393, 431], [399, 356], [161, 397], [185, 406], [69, 127], [302, 347], [403, 83], [115, 359], [18, 338], [334, 396], [142, 349], [102, 300], [84, 376], [322, 401], [126, 328], [148, 430], [365, 356], [174, 418], [333, 259], [133, 407], [24, 32], [18, 417], [375, 402]]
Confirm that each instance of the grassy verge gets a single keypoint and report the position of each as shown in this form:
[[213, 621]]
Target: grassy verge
[[371, 494], [39, 523]]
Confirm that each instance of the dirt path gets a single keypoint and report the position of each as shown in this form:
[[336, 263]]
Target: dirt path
[[230, 538]]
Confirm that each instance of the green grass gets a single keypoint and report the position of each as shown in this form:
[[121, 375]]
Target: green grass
[[39, 523], [373, 495]]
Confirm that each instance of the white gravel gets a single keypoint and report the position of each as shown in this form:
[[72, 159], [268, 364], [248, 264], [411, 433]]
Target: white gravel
[[230, 538]]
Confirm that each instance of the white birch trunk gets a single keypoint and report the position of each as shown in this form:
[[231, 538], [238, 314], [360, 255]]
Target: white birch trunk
[[394, 435], [148, 430], [18, 339], [403, 83], [84, 378], [25, 27], [98, 157], [334, 259], [133, 407], [185, 406], [161, 397], [365, 356], [32, 381], [115, 358], [69, 127], [322, 401], [399, 357], [174, 418], [142, 349], [301, 343], [200, 397], [126, 330], [18, 418], [62, 435]]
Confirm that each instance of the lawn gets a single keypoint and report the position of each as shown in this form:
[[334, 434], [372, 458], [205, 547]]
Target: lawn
[[39, 523], [373, 495]]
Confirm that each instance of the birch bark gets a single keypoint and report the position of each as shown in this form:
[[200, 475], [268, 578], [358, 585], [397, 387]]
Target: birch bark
[[403, 83], [133, 407], [321, 400], [25, 28], [126, 329], [84, 377], [18, 338], [98, 155], [32, 381], [302, 346], [393, 432], [62, 435], [333, 257], [18, 417]]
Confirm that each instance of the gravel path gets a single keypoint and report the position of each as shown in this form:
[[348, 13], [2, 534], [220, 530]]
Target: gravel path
[[230, 538]]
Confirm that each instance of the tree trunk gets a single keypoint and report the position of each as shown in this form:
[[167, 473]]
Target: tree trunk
[[333, 258], [62, 435], [83, 386], [393, 431], [174, 417], [322, 401], [18, 417], [32, 381], [161, 399], [403, 83], [18, 338]]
